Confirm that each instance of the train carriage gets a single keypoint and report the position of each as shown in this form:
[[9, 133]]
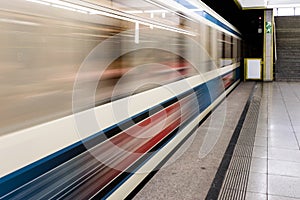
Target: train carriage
[[96, 95]]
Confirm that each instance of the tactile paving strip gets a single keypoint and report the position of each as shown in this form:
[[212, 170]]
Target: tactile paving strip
[[237, 175]]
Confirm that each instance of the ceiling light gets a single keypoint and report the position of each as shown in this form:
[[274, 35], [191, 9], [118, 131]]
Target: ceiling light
[[134, 11], [283, 5]]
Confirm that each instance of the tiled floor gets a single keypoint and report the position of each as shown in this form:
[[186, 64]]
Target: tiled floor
[[275, 169], [275, 166]]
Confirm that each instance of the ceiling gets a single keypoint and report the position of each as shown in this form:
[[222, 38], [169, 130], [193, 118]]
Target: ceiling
[[249, 4]]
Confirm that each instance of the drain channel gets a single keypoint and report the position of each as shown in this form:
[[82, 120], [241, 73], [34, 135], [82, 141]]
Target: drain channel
[[232, 176]]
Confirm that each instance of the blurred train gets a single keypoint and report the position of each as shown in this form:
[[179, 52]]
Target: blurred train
[[97, 94]]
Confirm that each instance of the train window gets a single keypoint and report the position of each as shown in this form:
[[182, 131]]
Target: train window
[[234, 50], [224, 50], [231, 48], [213, 52], [228, 51], [206, 64], [221, 48], [206, 36], [239, 50], [138, 70]]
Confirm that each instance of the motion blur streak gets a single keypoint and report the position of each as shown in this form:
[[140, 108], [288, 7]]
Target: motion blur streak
[[42, 52], [166, 64]]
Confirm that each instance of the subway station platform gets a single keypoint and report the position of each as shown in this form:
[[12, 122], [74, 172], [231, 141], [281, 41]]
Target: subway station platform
[[144, 100], [248, 148]]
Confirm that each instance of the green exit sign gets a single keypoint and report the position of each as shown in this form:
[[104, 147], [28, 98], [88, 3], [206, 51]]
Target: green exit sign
[[268, 27]]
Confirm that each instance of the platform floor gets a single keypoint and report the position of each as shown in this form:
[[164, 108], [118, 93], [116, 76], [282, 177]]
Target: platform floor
[[274, 170]]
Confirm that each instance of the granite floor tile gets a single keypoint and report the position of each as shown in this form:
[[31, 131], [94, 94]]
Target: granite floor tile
[[287, 142], [259, 152], [284, 154], [259, 165], [283, 186], [272, 197], [284, 168], [255, 196], [257, 183], [261, 141]]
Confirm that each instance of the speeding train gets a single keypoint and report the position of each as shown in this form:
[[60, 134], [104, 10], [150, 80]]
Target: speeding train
[[96, 95]]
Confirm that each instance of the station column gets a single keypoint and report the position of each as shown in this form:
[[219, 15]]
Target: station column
[[268, 45]]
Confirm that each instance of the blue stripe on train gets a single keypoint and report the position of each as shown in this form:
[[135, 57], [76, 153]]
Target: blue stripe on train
[[207, 16], [206, 93]]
